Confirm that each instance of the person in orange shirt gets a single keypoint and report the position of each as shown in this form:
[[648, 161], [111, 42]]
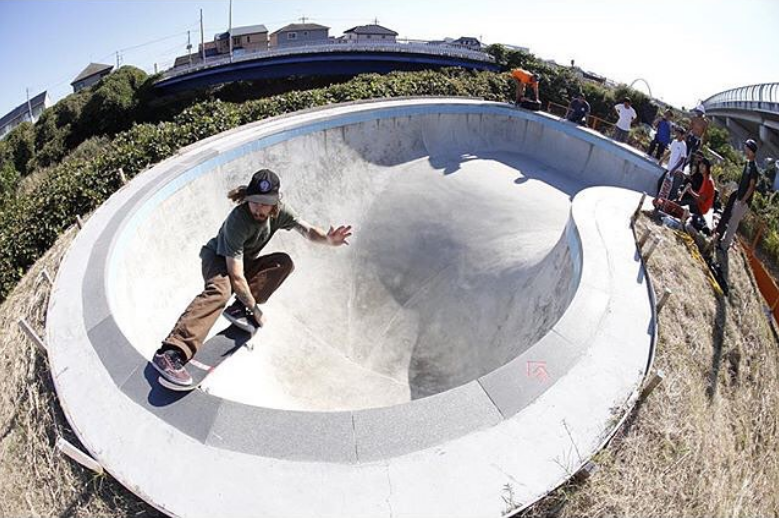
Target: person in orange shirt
[[702, 199], [523, 79]]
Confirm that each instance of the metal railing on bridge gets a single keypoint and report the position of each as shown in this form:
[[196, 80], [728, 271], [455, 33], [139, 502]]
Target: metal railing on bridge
[[412, 47], [762, 97]]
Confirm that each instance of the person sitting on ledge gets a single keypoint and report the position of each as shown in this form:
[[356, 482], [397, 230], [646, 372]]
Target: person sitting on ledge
[[231, 263], [700, 198]]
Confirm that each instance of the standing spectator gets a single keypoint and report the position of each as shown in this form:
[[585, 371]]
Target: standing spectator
[[662, 136], [523, 78], [741, 199], [698, 126], [626, 117], [578, 109], [675, 166]]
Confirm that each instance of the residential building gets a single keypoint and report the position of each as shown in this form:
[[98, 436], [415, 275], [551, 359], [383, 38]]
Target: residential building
[[370, 33], [90, 75], [24, 112], [251, 38], [187, 59], [297, 34], [467, 42], [210, 47]]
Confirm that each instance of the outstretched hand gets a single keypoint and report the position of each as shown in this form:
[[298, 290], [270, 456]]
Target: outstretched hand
[[337, 236]]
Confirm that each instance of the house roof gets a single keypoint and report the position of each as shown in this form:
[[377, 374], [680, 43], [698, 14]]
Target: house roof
[[467, 39], [242, 31], [302, 27], [248, 29], [22, 108], [372, 29], [92, 70]]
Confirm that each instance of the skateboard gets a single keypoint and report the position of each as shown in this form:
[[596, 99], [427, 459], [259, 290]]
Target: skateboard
[[661, 202], [210, 356], [531, 105]]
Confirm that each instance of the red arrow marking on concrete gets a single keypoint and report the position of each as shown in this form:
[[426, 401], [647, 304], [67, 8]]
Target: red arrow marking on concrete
[[537, 369]]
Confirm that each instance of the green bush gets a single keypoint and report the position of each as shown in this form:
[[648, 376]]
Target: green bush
[[21, 142], [9, 180], [111, 107]]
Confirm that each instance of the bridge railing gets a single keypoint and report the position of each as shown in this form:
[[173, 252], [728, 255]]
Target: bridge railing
[[411, 48], [761, 97]]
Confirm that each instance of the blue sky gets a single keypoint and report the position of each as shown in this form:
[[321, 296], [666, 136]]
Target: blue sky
[[685, 49]]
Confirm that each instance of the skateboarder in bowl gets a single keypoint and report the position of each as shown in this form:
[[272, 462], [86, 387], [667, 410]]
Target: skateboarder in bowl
[[231, 263]]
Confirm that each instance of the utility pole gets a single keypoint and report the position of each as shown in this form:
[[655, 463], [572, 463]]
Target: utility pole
[[189, 48], [230, 30], [118, 59], [29, 106], [202, 40]]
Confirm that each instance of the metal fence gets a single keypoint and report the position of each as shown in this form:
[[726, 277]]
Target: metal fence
[[410, 48], [763, 97]]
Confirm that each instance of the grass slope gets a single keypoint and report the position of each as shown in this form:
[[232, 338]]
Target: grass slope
[[706, 441]]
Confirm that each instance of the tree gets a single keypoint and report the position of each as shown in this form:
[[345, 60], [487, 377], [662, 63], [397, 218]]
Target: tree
[[111, 108]]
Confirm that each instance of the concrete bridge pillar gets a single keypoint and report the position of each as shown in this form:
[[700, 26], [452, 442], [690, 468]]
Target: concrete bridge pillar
[[765, 133]]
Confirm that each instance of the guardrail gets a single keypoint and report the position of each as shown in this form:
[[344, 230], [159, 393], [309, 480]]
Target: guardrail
[[760, 97], [410, 48], [596, 123]]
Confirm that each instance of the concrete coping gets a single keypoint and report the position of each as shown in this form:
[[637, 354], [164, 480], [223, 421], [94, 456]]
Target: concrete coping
[[527, 425]]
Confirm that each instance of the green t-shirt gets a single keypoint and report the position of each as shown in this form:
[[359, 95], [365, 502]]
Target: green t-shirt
[[243, 236]]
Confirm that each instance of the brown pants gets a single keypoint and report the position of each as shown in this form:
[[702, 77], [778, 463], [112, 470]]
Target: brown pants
[[264, 274]]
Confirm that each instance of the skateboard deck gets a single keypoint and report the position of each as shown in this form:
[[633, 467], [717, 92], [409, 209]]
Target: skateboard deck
[[530, 105], [661, 202], [210, 356]]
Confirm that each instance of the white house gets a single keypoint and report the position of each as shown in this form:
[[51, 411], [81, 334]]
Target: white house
[[298, 34], [24, 112], [371, 33]]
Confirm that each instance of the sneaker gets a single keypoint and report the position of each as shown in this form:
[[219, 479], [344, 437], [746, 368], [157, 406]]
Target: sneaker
[[242, 317], [169, 364]]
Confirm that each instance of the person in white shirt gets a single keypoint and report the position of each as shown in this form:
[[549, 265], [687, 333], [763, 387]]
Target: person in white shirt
[[626, 117], [677, 154]]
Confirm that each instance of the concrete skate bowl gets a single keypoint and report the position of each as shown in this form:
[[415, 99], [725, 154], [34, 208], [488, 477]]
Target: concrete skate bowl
[[479, 339]]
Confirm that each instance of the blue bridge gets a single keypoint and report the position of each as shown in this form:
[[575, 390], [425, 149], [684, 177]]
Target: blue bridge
[[331, 59], [749, 112]]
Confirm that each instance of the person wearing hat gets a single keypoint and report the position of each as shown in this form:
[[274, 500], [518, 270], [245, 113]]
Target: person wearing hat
[[231, 263], [523, 78], [739, 201], [626, 115], [578, 109]]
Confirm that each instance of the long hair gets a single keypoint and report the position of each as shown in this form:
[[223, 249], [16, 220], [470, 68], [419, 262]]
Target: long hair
[[238, 196]]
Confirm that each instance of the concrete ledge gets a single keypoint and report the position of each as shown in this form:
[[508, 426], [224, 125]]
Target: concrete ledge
[[529, 424]]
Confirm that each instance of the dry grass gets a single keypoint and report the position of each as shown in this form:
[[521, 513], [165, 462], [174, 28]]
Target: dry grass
[[706, 442], [35, 480]]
